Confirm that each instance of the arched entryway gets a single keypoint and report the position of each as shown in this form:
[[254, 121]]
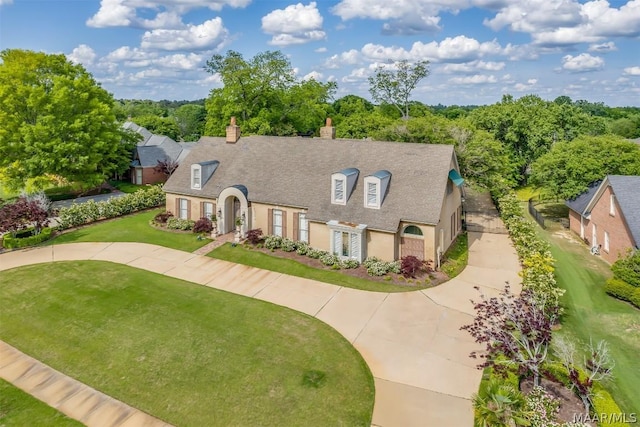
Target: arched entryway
[[233, 208], [412, 242]]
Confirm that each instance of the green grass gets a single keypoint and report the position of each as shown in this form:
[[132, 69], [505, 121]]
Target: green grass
[[132, 228], [591, 313], [18, 409], [126, 186], [456, 257], [188, 354], [527, 192], [241, 255]]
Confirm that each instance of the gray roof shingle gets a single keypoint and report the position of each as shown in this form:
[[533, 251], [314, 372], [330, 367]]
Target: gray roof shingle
[[296, 171], [580, 202], [627, 191]]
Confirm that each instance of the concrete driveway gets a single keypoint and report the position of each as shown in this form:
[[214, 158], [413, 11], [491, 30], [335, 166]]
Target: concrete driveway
[[411, 341]]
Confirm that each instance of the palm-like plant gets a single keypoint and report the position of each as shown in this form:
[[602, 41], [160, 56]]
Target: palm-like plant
[[499, 405]]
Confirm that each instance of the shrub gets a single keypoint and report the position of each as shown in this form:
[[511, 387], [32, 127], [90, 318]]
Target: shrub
[[541, 408], [379, 268], [162, 217], [288, 245], [394, 267], [203, 225], [635, 298], [370, 261], [603, 403], [82, 213], [174, 223], [411, 266], [302, 248], [628, 268], [349, 263], [330, 259], [10, 242], [316, 253], [254, 236], [273, 242], [619, 289]]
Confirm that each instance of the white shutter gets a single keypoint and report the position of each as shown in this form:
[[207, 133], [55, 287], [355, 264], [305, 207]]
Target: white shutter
[[337, 243], [372, 194], [339, 194], [355, 246]]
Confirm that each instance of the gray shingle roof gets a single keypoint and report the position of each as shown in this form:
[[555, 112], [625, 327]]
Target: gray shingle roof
[[580, 202], [627, 191], [296, 171], [154, 148]]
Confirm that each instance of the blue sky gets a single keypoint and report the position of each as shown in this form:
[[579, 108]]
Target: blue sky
[[478, 49]]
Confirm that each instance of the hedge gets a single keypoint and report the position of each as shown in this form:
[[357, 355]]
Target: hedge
[[83, 213], [603, 404], [619, 289], [9, 242], [628, 268]]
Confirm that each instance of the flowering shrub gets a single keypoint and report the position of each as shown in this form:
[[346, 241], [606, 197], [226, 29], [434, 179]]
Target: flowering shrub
[[162, 217], [316, 253], [82, 213], [174, 223], [303, 248], [273, 242], [349, 263], [542, 408], [377, 267], [288, 245], [203, 225], [254, 236], [330, 259]]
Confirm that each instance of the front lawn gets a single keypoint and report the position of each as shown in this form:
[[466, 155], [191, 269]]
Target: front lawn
[[591, 313], [254, 258], [18, 409], [190, 355], [132, 228]]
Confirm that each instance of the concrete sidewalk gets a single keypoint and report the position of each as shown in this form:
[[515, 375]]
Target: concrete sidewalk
[[411, 341]]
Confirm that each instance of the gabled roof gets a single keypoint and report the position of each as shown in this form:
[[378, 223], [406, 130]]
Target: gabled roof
[[139, 129], [154, 148], [627, 192], [296, 171], [580, 202]]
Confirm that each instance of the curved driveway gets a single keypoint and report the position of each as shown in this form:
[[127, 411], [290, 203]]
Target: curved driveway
[[411, 341]]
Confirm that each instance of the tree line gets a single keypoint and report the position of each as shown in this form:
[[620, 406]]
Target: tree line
[[58, 121]]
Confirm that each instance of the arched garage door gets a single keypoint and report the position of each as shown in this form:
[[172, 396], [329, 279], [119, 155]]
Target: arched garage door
[[412, 242]]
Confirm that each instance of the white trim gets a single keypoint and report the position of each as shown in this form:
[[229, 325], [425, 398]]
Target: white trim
[[338, 190], [612, 204], [357, 240], [196, 177]]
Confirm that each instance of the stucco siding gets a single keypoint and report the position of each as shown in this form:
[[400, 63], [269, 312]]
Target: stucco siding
[[382, 245]]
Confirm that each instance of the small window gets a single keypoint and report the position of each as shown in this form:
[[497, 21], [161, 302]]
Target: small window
[[372, 194], [338, 190], [207, 210], [303, 227], [277, 222], [196, 177], [412, 230], [606, 241], [449, 186], [612, 205], [184, 209]]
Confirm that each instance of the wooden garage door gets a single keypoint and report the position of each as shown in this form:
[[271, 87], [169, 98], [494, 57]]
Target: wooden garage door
[[412, 246]]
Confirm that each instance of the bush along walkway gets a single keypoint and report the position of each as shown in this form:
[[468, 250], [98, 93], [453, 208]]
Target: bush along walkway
[[76, 400]]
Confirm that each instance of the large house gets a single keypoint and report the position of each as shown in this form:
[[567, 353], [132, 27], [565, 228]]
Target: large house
[[150, 150], [607, 215], [355, 198]]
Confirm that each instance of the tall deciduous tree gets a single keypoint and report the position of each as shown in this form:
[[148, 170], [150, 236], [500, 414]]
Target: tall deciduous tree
[[393, 84], [190, 119], [55, 119], [569, 167]]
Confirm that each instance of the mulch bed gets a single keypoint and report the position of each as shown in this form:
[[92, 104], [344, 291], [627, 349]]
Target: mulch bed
[[421, 280], [570, 404]]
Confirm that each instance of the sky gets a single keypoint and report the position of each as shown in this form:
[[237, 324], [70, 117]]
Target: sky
[[478, 50]]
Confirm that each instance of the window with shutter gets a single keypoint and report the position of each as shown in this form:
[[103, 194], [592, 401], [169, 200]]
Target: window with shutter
[[207, 210], [277, 223], [303, 228], [337, 243], [338, 185], [184, 209], [372, 194], [355, 246]]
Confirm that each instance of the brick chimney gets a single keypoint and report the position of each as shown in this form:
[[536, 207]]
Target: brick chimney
[[327, 131], [233, 132]]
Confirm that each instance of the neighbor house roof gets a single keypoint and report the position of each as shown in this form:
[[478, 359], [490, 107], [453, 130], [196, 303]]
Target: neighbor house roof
[[296, 171], [153, 148], [627, 191], [580, 202]]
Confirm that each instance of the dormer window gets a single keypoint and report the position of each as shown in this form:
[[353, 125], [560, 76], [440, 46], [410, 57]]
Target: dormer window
[[196, 177], [342, 184], [375, 188]]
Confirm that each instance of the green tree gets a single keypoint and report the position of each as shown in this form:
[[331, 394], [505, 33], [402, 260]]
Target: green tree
[[190, 119], [570, 166], [626, 127], [429, 129], [167, 126], [56, 120], [393, 85]]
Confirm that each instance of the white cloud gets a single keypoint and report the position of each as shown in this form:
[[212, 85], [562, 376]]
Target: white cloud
[[123, 13], [406, 17], [350, 57], [473, 80], [525, 87], [473, 66], [320, 50], [5, 2], [295, 24], [603, 47], [82, 54], [356, 75], [459, 48], [536, 15], [180, 61], [582, 63], [313, 75], [210, 34], [632, 71]]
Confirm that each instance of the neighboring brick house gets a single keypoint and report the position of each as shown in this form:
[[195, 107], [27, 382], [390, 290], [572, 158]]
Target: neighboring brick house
[[607, 215], [355, 198], [151, 149]]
